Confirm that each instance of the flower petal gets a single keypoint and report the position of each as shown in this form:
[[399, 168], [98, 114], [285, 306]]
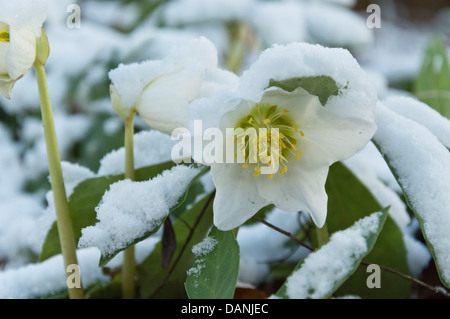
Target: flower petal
[[4, 47], [163, 108], [22, 52], [237, 197], [327, 138], [6, 87], [297, 190]]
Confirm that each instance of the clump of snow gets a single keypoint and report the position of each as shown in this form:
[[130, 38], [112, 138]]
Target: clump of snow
[[150, 148], [47, 278], [204, 247], [131, 79], [422, 165], [335, 260], [423, 114], [129, 210]]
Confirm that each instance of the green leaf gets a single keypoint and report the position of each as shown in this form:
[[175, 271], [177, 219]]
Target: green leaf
[[348, 201], [215, 272], [190, 228], [85, 197], [419, 189], [323, 271], [104, 259], [432, 85], [322, 86]]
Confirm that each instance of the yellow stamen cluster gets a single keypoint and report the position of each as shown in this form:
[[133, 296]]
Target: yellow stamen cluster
[[4, 34], [268, 147]]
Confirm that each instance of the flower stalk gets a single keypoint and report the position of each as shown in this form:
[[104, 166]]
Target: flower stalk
[[129, 268], [63, 220]]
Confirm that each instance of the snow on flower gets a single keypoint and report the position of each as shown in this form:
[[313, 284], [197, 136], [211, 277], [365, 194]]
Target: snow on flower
[[20, 27], [160, 90], [297, 138]]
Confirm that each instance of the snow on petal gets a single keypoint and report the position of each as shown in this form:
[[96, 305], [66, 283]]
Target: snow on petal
[[333, 262], [283, 62], [422, 165]]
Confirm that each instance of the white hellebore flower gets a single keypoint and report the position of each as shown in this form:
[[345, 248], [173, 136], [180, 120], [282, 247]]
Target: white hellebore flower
[[161, 90], [20, 27], [298, 135]]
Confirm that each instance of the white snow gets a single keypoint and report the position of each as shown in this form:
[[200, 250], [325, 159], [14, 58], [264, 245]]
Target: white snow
[[24, 14], [129, 210], [385, 195], [281, 62], [322, 269], [47, 278], [190, 11], [423, 114], [70, 129], [150, 147], [203, 248], [271, 248], [280, 22], [336, 26], [422, 164], [206, 246], [23, 227], [131, 79]]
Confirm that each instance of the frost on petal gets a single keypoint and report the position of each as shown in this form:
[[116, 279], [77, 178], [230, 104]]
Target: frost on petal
[[423, 114], [130, 210], [422, 166], [333, 262]]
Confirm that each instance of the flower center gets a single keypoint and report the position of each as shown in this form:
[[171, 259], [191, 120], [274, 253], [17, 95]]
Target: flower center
[[267, 137], [4, 34]]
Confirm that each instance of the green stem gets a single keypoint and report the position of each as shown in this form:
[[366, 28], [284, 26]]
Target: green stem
[[238, 33], [63, 220], [129, 268], [320, 236]]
